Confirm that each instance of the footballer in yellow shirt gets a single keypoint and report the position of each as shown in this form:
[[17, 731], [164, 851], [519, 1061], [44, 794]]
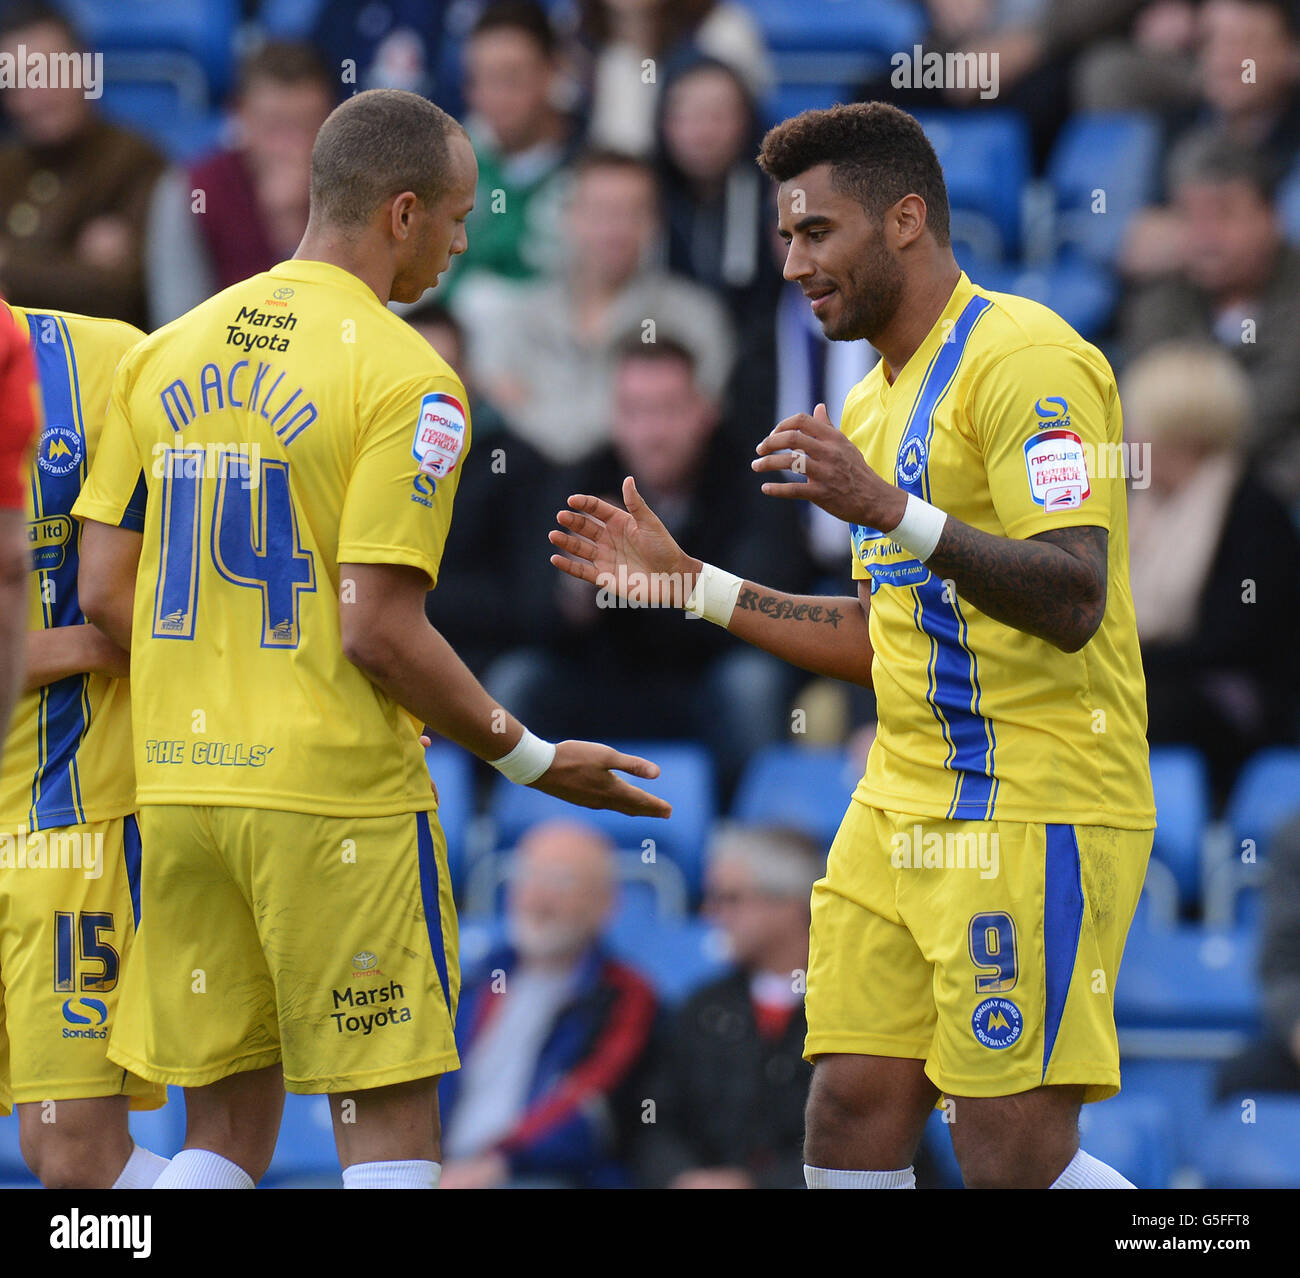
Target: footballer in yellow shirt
[[70, 849], [967, 935], [288, 425], [301, 447]]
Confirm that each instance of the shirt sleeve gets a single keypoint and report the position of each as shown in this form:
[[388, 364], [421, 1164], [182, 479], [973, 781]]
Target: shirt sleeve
[[1048, 424], [114, 492], [397, 509], [19, 411]]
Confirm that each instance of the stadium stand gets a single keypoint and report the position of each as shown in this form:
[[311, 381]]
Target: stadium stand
[[1188, 995]]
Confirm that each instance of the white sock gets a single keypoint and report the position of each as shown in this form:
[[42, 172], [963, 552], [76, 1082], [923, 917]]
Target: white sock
[[830, 1178], [202, 1169], [140, 1170], [1083, 1171], [416, 1173]]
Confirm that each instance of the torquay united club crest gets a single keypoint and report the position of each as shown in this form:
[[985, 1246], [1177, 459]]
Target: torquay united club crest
[[59, 452]]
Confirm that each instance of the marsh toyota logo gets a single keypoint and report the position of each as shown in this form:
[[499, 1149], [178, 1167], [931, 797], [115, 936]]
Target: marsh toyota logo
[[365, 961]]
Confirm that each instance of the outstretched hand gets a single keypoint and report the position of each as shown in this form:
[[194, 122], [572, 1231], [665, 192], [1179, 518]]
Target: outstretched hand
[[627, 551], [583, 773]]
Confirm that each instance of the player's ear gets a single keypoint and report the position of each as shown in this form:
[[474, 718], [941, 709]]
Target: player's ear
[[403, 214], [906, 220]]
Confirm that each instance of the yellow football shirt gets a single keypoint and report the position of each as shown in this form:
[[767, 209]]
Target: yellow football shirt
[[1008, 420], [67, 759], [287, 425]]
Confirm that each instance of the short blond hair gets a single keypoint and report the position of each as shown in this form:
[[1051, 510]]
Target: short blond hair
[[1189, 391]]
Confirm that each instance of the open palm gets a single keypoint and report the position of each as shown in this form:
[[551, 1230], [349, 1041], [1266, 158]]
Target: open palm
[[628, 551]]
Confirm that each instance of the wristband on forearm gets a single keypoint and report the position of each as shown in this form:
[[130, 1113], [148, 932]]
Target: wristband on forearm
[[527, 761], [920, 528], [715, 594]]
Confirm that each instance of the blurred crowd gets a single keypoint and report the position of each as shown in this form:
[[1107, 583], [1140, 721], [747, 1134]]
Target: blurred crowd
[[621, 310]]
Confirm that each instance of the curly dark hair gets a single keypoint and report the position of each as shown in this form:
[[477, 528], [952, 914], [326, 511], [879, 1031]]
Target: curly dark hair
[[877, 153]]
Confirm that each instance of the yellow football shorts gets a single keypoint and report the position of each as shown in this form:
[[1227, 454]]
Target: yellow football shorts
[[327, 943], [69, 901], [988, 949]]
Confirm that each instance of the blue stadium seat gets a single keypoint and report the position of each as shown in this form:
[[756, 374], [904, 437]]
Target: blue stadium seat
[[835, 26], [805, 788], [162, 1131], [676, 956], [1182, 791], [937, 1142], [1133, 1134], [156, 110], [1264, 1154], [1288, 205], [1188, 978], [1188, 1081], [1265, 795], [13, 1171], [478, 938], [305, 1154], [788, 100], [1081, 293], [986, 164], [452, 770], [1117, 154], [163, 36], [686, 781]]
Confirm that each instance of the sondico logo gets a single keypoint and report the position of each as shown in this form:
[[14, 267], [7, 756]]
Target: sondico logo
[[1052, 410], [90, 1013]]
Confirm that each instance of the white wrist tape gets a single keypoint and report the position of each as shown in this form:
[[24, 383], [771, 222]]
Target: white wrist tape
[[715, 594], [527, 761], [920, 528]]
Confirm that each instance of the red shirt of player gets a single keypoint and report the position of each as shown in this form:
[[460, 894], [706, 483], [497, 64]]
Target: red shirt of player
[[17, 410]]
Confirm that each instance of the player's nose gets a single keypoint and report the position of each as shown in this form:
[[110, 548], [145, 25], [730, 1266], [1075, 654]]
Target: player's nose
[[797, 266]]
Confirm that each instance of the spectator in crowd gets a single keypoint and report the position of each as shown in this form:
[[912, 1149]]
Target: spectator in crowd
[[552, 1032], [1033, 44], [629, 46], [657, 672], [253, 195], [396, 44], [546, 354], [1272, 1064], [1238, 284], [727, 1076], [1214, 562], [74, 189], [718, 207], [1154, 66], [495, 591], [1248, 71], [524, 142]]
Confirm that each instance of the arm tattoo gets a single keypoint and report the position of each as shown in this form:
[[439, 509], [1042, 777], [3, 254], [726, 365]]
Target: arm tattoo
[[1052, 586], [785, 608]]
